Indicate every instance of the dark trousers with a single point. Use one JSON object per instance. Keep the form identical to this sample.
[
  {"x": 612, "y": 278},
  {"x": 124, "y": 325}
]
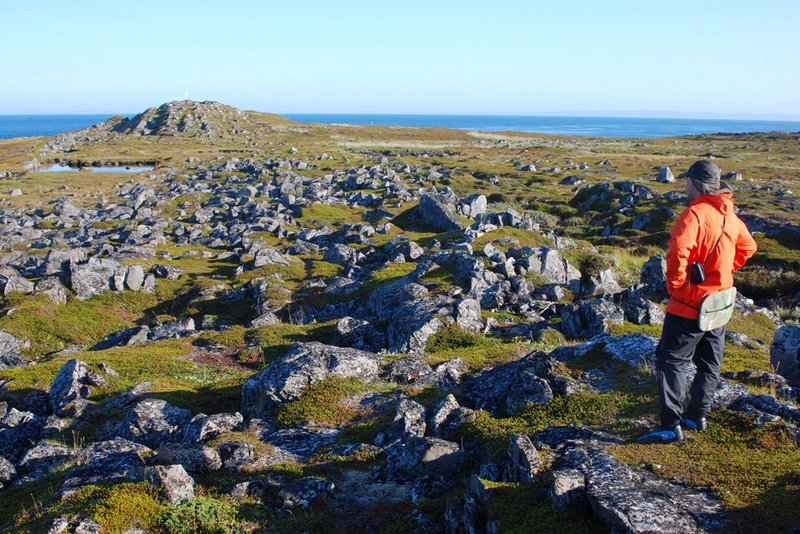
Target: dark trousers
[{"x": 683, "y": 342}]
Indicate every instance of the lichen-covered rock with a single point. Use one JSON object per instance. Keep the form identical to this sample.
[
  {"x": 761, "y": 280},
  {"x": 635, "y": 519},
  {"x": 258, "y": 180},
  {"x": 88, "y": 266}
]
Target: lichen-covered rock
[
  {"x": 203, "y": 427},
  {"x": 174, "y": 483},
  {"x": 409, "y": 422},
  {"x": 45, "y": 457},
  {"x": 10, "y": 351},
  {"x": 19, "y": 431},
  {"x": 153, "y": 422},
  {"x": 115, "y": 460},
  {"x": 633, "y": 500},
  {"x": 96, "y": 276},
  {"x": 588, "y": 319},
  {"x": 416, "y": 457},
  {"x": 303, "y": 365},
  {"x": 504, "y": 389},
  {"x": 784, "y": 352},
  {"x": 522, "y": 461},
  {"x": 302, "y": 492},
  {"x": 359, "y": 334},
  {"x": 70, "y": 388}
]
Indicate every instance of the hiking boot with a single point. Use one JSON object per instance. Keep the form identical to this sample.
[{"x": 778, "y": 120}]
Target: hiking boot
[
  {"x": 698, "y": 424},
  {"x": 671, "y": 435}
]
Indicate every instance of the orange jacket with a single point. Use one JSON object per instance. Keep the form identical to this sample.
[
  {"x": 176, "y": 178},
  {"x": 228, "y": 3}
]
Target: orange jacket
[{"x": 693, "y": 239}]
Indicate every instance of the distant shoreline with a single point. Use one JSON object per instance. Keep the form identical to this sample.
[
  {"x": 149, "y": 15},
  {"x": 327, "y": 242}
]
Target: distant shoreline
[{"x": 12, "y": 126}]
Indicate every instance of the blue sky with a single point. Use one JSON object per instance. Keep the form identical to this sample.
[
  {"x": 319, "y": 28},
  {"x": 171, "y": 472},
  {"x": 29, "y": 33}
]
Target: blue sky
[{"x": 736, "y": 58}]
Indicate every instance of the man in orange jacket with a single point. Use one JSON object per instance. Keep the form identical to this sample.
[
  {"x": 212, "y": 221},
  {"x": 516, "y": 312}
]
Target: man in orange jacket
[{"x": 708, "y": 232}]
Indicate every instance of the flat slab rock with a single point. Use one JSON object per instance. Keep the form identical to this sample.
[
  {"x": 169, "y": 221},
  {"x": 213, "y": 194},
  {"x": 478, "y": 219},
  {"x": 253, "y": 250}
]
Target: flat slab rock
[{"x": 634, "y": 500}]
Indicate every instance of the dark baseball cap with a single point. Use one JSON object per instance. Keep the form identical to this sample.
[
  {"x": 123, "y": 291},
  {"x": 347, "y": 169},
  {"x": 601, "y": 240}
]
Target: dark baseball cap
[{"x": 706, "y": 175}]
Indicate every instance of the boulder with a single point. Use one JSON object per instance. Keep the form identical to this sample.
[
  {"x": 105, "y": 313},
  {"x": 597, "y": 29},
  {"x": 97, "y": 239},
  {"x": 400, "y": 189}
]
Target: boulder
[
  {"x": 52, "y": 288},
  {"x": 135, "y": 278},
  {"x": 153, "y": 422},
  {"x": 103, "y": 462},
  {"x": 170, "y": 272},
  {"x": 303, "y": 365},
  {"x": 448, "y": 417},
  {"x": 269, "y": 256},
  {"x": 7, "y": 472},
  {"x": 70, "y": 388},
  {"x": 468, "y": 315},
  {"x": 417, "y": 457},
  {"x": 408, "y": 370},
  {"x": 203, "y": 427},
  {"x": 589, "y": 319},
  {"x": 173, "y": 329},
  {"x": 341, "y": 255},
  {"x": 436, "y": 211},
  {"x": 409, "y": 422},
  {"x": 784, "y": 353},
  {"x": 522, "y": 461},
  {"x": 635, "y": 350},
  {"x": 665, "y": 176},
  {"x": 359, "y": 334},
  {"x": 504, "y": 389},
  {"x": 654, "y": 275},
  {"x": 10, "y": 351},
  {"x": 46, "y": 457},
  {"x": 96, "y": 276},
  {"x": 135, "y": 335},
  {"x": 19, "y": 431},
  {"x": 472, "y": 206},
  {"x": 173, "y": 482},
  {"x": 301, "y": 493}
]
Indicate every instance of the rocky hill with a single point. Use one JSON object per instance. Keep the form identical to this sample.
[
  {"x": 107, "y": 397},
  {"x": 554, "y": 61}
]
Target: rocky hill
[{"x": 299, "y": 328}]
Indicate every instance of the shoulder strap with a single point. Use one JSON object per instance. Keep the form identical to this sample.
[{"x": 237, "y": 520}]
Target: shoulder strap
[{"x": 722, "y": 233}]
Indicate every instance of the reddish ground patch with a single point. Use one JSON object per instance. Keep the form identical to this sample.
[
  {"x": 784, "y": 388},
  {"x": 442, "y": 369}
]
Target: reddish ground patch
[{"x": 224, "y": 357}]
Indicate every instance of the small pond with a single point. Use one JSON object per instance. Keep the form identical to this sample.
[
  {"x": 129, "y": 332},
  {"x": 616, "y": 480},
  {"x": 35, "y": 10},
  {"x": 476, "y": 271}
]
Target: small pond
[{"x": 58, "y": 167}]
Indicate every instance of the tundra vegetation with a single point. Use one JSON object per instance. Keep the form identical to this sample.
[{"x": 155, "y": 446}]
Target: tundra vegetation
[{"x": 293, "y": 327}]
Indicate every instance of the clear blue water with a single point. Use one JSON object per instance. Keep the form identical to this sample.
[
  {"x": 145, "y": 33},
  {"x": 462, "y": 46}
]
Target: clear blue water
[
  {"x": 589, "y": 126},
  {"x": 112, "y": 170},
  {"x": 35, "y": 125}
]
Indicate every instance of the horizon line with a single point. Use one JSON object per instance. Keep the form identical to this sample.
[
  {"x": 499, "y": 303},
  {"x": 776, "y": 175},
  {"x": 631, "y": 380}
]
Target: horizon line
[{"x": 753, "y": 117}]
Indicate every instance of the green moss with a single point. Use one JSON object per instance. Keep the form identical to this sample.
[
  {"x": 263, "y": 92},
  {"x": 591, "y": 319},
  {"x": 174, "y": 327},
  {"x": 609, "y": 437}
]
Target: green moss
[
  {"x": 175, "y": 378},
  {"x": 522, "y": 509},
  {"x": 321, "y": 404},
  {"x": 203, "y": 515},
  {"x": 128, "y": 506},
  {"x": 51, "y": 327},
  {"x": 476, "y": 350}
]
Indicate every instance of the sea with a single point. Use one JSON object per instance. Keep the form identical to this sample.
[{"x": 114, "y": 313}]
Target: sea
[{"x": 37, "y": 125}]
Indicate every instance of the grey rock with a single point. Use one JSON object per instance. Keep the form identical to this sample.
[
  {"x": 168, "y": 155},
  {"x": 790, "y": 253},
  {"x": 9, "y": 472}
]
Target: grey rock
[
  {"x": 359, "y": 334},
  {"x": 135, "y": 278},
  {"x": 409, "y": 422},
  {"x": 635, "y": 350},
  {"x": 174, "y": 329},
  {"x": 436, "y": 211},
  {"x": 303, "y": 492},
  {"x": 589, "y": 319},
  {"x": 14, "y": 283},
  {"x": 665, "y": 176},
  {"x": 568, "y": 490},
  {"x": 632, "y": 500},
  {"x": 135, "y": 335},
  {"x": 115, "y": 460},
  {"x": 203, "y": 427},
  {"x": 654, "y": 274},
  {"x": 46, "y": 457},
  {"x": 784, "y": 353},
  {"x": 468, "y": 315},
  {"x": 7, "y": 472},
  {"x": 408, "y": 370},
  {"x": 70, "y": 388},
  {"x": 53, "y": 289},
  {"x": 236, "y": 456},
  {"x": 19, "y": 431},
  {"x": 96, "y": 276},
  {"x": 170, "y": 272},
  {"x": 152, "y": 422},
  {"x": 643, "y": 311},
  {"x": 448, "y": 418},
  {"x": 504, "y": 389},
  {"x": 303, "y": 365},
  {"x": 269, "y": 256},
  {"x": 199, "y": 460},
  {"x": 472, "y": 206},
  {"x": 522, "y": 461},
  {"x": 416, "y": 457},
  {"x": 341, "y": 254},
  {"x": 174, "y": 483},
  {"x": 10, "y": 351}
]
